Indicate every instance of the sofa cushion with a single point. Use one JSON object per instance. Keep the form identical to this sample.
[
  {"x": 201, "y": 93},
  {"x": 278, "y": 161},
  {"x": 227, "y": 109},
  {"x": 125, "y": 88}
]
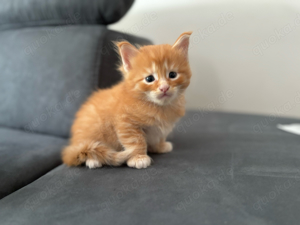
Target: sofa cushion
[
  {"x": 25, "y": 157},
  {"x": 47, "y": 73},
  {"x": 17, "y": 13},
  {"x": 225, "y": 169}
]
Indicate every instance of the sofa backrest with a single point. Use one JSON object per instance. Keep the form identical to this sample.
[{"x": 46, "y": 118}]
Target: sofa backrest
[
  {"x": 18, "y": 13},
  {"x": 51, "y": 60}
]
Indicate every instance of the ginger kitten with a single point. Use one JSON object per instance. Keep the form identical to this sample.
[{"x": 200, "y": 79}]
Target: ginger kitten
[{"x": 120, "y": 124}]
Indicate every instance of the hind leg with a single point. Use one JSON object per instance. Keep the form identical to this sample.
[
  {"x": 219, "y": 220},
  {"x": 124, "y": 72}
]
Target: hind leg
[
  {"x": 134, "y": 142},
  {"x": 92, "y": 153},
  {"x": 93, "y": 163},
  {"x": 77, "y": 154},
  {"x": 90, "y": 156}
]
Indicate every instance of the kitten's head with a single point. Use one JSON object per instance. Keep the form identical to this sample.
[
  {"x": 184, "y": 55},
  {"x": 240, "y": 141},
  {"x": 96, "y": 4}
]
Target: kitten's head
[{"x": 158, "y": 73}]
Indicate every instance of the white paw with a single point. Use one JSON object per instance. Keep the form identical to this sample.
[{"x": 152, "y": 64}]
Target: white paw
[
  {"x": 167, "y": 147},
  {"x": 92, "y": 163},
  {"x": 139, "y": 161}
]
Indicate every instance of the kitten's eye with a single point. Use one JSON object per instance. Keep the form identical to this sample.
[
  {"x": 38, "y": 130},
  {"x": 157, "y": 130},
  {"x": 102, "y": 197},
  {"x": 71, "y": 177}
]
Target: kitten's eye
[
  {"x": 172, "y": 75},
  {"x": 150, "y": 78}
]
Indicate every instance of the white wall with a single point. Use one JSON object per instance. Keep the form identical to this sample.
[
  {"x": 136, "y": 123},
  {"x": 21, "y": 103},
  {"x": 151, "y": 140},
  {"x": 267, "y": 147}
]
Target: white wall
[{"x": 245, "y": 56}]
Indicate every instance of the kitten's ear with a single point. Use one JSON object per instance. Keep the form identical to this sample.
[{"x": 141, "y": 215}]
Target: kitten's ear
[
  {"x": 182, "y": 43},
  {"x": 127, "y": 52}
]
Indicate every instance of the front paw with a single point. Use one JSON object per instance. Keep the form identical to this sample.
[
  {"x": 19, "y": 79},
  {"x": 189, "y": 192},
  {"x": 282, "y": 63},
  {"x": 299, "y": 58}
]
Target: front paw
[
  {"x": 139, "y": 161},
  {"x": 164, "y": 147}
]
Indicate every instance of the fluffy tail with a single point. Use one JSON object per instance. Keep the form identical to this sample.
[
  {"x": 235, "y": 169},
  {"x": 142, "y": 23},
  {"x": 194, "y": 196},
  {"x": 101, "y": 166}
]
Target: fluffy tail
[{"x": 75, "y": 155}]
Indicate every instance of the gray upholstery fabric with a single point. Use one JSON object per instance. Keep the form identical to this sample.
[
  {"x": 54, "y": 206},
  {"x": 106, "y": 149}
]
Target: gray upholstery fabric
[
  {"x": 108, "y": 74},
  {"x": 47, "y": 72},
  {"x": 16, "y": 13},
  {"x": 225, "y": 169},
  {"x": 24, "y": 157}
]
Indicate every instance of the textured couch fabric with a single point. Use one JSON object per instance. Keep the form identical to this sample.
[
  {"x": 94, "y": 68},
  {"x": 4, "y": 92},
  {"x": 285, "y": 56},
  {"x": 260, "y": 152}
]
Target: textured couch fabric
[
  {"x": 24, "y": 157},
  {"x": 17, "y": 13},
  {"x": 225, "y": 169},
  {"x": 53, "y": 55},
  {"x": 47, "y": 72}
]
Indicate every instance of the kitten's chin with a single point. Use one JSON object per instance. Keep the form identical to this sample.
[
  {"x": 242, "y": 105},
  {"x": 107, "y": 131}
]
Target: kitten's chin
[{"x": 162, "y": 99}]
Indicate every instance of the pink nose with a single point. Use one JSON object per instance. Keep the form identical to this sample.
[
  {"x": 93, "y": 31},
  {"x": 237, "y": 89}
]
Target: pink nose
[{"x": 164, "y": 88}]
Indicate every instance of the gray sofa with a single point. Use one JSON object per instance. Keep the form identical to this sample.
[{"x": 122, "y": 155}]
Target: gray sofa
[{"x": 225, "y": 168}]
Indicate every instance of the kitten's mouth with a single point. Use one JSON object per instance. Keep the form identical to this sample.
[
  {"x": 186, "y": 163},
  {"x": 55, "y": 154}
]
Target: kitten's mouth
[{"x": 164, "y": 95}]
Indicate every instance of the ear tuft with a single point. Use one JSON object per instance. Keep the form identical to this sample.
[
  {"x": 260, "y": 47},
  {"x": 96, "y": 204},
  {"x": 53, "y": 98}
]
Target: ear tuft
[
  {"x": 182, "y": 43},
  {"x": 127, "y": 52}
]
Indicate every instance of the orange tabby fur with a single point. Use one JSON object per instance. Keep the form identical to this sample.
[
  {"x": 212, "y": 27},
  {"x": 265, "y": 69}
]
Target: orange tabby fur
[{"x": 119, "y": 124}]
